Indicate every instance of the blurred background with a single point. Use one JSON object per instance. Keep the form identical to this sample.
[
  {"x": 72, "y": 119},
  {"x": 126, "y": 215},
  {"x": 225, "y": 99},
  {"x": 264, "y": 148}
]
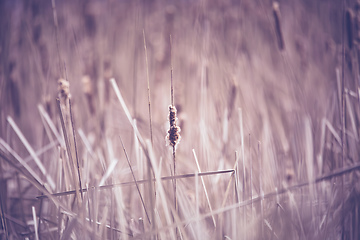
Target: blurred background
[{"x": 283, "y": 114}]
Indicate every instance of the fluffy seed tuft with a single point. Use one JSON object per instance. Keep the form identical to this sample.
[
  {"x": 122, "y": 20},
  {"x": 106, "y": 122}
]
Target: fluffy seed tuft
[
  {"x": 173, "y": 135},
  {"x": 64, "y": 89}
]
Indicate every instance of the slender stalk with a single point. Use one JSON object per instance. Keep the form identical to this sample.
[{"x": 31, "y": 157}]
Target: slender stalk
[
  {"x": 76, "y": 151},
  {"x": 251, "y": 175},
  {"x": 137, "y": 185},
  {"x": 57, "y": 33},
  {"x": 35, "y": 223},
  {"x": 173, "y": 132},
  {"x": 174, "y": 161},
  {"x": 197, "y": 204},
  {"x": 171, "y": 74},
  {"x": 172, "y": 104},
  {"x": 343, "y": 114},
  {"x": 203, "y": 184},
  {"x": 67, "y": 144},
  {"x": 261, "y": 191},
  {"x": 148, "y": 86},
  {"x": 32, "y": 152},
  {"x": 144, "y": 181}
]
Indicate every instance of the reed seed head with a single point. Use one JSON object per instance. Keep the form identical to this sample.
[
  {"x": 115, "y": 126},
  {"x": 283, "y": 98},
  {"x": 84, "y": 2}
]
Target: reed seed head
[
  {"x": 173, "y": 135},
  {"x": 64, "y": 88}
]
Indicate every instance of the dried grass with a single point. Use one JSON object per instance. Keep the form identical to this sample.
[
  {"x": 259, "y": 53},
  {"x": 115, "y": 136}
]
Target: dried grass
[{"x": 64, "y": 175}]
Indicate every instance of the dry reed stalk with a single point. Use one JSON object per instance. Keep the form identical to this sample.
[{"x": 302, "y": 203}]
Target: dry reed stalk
[
  {"x": 103, "y": 223},
  {"x": 57, "y": 34},
  {"x": 203, "y": 184},
  {"x": 197, "y": 206},
  {"x": 242, "y": 152},
  {"x": 233, "y": 178},
  {"x": 43, "y": 188},
  {"x": 32, "y": 152},
  {"x": 173, "y": 138},
  {"x": 50, "y": 123},
  {"x": 227, "y": 192},
  {"x": 148, "y": 86},
  {"x": 127, "y": 112},
  {"x": 251, "y": 177},
  {"x": 36, "y": 230},
  {"x": 68, "y": 149},
  {"x": 86, "y": 142},
  {"x": 137, "y": 185},
  {"x": 343, "y": 115},
  {"x": 23, "y": 163},
  {"x": 278, "y": 31},
  {"x": 109, "y": 171},
  {"x": 149, "y": 167},
  {"x": 244, "y": 169},
  {"x": 173, "y": 135},
  {"x": 236, "y": 168},
  {"x": 144, "y": 181},
  {"x": 64, "y": 103},
  {"x": 293, "y": 202},
  {"x": 75, "y": 149},
  {"x": 261, "y": 193}
]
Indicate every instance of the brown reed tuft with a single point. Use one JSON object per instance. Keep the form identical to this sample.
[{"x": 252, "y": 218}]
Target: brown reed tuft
[
  {"x": 173, "y": 135},
  {"x": 64, "y": 89},
  {"x": 279, "y": 35}
]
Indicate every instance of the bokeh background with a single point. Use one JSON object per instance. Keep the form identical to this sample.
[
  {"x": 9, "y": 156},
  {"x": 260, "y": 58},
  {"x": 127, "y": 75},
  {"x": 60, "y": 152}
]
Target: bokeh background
[{"x": 283, "y": 116}]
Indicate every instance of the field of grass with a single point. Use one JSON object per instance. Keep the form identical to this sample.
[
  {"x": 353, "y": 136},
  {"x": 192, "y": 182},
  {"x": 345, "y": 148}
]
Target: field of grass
[{"x": 93, "y": 94}]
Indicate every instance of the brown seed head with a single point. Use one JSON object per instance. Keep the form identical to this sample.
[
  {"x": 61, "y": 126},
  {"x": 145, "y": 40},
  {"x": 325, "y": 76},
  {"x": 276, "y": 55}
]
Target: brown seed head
[
  {"x": 63, "y": 88},
  {"x": 173, "y": 135}
]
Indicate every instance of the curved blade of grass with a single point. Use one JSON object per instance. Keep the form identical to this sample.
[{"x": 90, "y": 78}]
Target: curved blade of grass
[
  {"x": 133, "y": 175},
  {"x": 132, "y": 183},
  {"x": 31, "y": 151},
  {"x": 203, "y": 184}
]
